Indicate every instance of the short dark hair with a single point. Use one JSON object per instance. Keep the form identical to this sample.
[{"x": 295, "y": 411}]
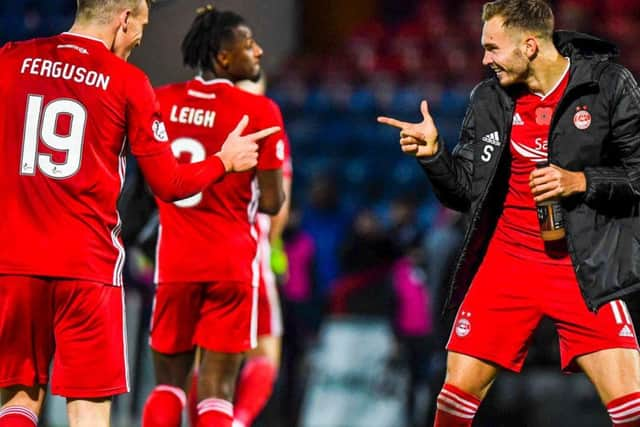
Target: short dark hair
[
  {"x": 101, "y": 11},
  {"x": 209, "y": 30},
  {"x": 533, "y": 15}
]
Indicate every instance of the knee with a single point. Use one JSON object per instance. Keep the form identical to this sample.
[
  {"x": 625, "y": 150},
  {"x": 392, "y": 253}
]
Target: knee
[{"x": 472, "y": 378}]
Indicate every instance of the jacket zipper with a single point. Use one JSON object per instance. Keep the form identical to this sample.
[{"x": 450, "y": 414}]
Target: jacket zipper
[{"x": 576, "y": 267}]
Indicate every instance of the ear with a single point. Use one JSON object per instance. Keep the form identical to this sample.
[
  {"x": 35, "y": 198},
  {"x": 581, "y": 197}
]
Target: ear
[
  {"x": 223, "y": 58},
  {"x": 531, "y": 47},
  {"x": 123, "y": 19}
]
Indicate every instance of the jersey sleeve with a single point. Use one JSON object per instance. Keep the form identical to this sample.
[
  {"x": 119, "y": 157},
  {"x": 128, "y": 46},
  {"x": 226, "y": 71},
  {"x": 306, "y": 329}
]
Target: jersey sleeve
[
  {"x": 271, "y": 153},
  {"x": 170, "y": 180},
  {"x": 146, "y": 132}
]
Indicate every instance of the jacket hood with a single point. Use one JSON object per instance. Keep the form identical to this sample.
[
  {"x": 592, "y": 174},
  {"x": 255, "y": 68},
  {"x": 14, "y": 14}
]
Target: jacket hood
[{"x": 575, "y": 44}]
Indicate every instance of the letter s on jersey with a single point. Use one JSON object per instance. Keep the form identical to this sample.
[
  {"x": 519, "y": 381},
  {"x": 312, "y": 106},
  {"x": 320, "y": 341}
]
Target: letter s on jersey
[{"x": 487, "y": 152}]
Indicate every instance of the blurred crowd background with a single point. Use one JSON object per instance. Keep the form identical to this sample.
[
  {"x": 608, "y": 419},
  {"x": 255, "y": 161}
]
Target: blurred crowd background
[{"x": 369, "y": 247}]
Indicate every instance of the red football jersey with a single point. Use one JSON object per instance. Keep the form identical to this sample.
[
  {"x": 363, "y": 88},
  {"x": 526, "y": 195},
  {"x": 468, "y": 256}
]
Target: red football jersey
[
  {"x": 67, "y": 105},
  {"x": 211, "y": 236},
  {"x": 518, "y": 227}
]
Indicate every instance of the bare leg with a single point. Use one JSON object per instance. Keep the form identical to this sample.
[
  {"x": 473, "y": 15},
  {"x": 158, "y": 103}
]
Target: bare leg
[
  {"x": 469, "y": 374},
  {"x": 614, "y": 372},
  {"x": 173, "y": 369},
  {"x": 89, "y": 412},
  {"x": 31, "y": 398},
  {"x": 217, "y": 374}
]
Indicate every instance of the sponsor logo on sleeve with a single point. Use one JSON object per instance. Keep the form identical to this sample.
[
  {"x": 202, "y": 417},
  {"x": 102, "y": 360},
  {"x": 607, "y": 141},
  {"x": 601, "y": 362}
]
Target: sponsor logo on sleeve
[{"x": 159, "y": 131}]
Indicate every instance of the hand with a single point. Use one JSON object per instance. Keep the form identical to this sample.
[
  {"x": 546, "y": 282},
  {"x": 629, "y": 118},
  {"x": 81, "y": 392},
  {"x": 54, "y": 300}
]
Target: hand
[
  {"x": 416, "y": 139},
  {"x": 240, "y": 153},
  {"x": 553, "y": 181}
]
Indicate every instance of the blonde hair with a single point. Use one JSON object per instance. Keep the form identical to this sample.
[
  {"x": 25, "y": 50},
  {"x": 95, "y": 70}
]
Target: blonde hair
[
  {"x": 532, "y": 15},
  {"x": 102, "y": 11}
]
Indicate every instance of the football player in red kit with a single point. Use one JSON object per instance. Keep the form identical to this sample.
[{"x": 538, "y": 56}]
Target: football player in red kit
[
  {"x": 207, "y": 265},
  {"x": 260, "y": 370},
  {"x": 70, "y": 110},
  {"x": 556, "y": 96}
]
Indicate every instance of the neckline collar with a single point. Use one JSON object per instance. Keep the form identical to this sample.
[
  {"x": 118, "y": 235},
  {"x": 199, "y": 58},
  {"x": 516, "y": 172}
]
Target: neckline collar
[
  {"x": 213, "y": 81},
  {"x": 558, "y": 83},
  {"x": 84, "y": 36}
]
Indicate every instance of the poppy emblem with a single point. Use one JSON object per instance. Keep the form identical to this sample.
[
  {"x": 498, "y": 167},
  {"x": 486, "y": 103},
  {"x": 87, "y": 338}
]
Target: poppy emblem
[{"x": 543, "y": 116}]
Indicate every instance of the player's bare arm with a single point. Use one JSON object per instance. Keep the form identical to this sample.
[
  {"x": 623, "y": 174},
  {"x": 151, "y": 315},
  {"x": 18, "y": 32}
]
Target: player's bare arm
[
  {"x": 271, "y": 191},
  {"x": 240, "y": 152},
  {"x": 416, "y": 139},
  {"x": 553, "y": 181}
]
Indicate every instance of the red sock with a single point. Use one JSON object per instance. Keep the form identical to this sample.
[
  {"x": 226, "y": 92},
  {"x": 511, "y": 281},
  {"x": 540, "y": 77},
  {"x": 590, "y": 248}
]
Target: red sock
[
  {"x": 164, "y": 407},
  {"x": 18, "y": 416},
  {"x": 254, "y": 389},
  {"x": 625, "y": 411},
  {"x": 214, "y": 412},
  {"x": 192, "y": 399},
  {"x": 456, "y": 408}
]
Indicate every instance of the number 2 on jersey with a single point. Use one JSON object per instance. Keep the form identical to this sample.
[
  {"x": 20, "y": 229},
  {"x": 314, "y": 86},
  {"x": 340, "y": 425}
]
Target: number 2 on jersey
[
  {"x": 198, "y": 154},
  {"x": 41, "y": 125}
]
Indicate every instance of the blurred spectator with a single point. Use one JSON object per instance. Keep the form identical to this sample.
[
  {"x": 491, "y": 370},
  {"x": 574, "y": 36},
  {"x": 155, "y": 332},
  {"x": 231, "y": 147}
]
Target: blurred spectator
[{"x": 326, "y": 223}]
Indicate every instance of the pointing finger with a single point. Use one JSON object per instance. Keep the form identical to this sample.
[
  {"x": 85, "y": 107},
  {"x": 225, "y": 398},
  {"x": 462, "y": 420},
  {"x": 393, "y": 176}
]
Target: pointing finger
[
  {"x": 393, "y": 122},
  {"x": 263, "y": 133}
]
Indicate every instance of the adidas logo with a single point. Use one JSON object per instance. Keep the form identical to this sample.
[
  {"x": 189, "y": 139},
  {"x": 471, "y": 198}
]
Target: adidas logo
[
  {"x": 517, "y": 120},
  {"x": 626, "y": 332},
  {"x": 492, "y": 138}
]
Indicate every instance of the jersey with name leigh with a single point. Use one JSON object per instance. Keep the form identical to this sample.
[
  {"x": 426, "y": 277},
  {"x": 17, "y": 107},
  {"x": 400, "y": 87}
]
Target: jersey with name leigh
[{"x": 212, "y": 235}]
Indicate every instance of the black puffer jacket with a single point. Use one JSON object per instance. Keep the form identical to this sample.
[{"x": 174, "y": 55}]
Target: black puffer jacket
[{"x": 603, "y": 224}]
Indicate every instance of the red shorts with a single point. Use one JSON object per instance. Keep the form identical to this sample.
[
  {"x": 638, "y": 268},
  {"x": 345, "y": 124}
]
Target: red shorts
[
  {"x": 78, "y": 324},
  {"x": 217, "y": 316},
  {"x": 269, "y": 314},
  {"x": 508, "y": 298}
]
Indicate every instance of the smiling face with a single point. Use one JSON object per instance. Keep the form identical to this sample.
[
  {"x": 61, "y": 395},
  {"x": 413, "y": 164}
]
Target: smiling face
[
  {"x": 504, "y": 52},
  {"x": 240, "y": 57}
]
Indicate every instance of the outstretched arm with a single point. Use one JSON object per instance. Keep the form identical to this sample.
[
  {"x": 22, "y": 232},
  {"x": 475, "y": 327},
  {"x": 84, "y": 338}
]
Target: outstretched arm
[
  {"x": 172, "y": 181},
  {"x": 450, "y": 174}
]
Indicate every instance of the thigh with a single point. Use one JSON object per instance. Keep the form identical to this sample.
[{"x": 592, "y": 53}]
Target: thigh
[
  {"x": 614, "y": 372},
  {"x": 176, "y": 311},
  {"x": 582, "y": 331},
  {"x": 228, "y": 318},
  {"x": 90, "y": 360},
  {"x": 499, "y": 313},
  {"x": 26, "y": 330}
]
